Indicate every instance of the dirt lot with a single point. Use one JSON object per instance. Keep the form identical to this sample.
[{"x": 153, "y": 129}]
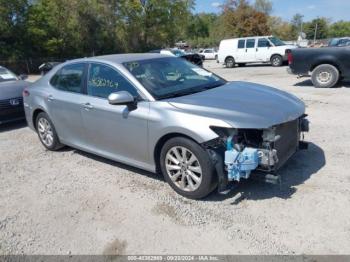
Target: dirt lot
[{"x": 70, "y": 202}]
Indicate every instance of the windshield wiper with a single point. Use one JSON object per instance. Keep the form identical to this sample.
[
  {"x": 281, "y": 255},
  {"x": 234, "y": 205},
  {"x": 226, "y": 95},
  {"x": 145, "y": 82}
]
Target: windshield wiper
[
  {"x": 190, "y": 92},
  {"x": 176, "y": 94},
  {"x": 210, "y": 87}
]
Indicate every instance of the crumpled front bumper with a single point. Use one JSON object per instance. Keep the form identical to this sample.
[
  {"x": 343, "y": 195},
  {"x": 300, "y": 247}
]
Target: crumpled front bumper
[{"x": 288, "y": 140}]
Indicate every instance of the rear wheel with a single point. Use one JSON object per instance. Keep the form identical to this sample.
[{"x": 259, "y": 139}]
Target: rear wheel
[
  {"x": 325, "y": 76},
  {"x": 276, "y": 60},
  {"x": 47, "y": 132},
  {"x": 187, "y": 168},
  {"x": 230, "y": 62}
]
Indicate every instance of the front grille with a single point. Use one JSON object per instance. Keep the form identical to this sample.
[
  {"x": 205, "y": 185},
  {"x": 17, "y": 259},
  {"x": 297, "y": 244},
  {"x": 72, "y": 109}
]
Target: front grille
[
  {"x": 6, "y": 104},
  {"x": 288, "y": 143}
]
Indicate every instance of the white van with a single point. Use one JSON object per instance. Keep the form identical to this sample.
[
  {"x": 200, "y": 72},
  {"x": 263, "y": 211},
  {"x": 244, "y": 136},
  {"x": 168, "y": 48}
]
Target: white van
[{"x": 259, "y": 49}]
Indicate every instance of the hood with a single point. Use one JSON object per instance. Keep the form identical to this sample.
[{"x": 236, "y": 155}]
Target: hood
[
  {"x": 12, "y": 89},
  {"x": 243, "y": 105},
  {"x": 290, "y": 46}
]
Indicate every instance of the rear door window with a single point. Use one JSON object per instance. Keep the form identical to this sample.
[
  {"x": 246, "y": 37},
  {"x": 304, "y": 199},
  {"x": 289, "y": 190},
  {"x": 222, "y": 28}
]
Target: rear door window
[
  {"x": 250, "y": 43},
  {"x": 241, "y": 44},
  {"x": 104, "y": 80},
  {"x": 70, "y": 78}
]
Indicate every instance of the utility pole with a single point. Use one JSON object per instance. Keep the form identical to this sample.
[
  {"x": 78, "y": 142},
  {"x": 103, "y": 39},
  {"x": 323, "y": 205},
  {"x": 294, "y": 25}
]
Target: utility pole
[{"x": 315, "y": 33}]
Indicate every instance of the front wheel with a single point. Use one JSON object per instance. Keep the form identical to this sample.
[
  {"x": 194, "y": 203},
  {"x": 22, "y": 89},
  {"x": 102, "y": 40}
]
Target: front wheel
[
  {"x": 187, "y": 168},
  {"x": 47, "y": 132},
  {"x": 276, "y": 60},
  {"x": 230, "y": 62},
  {"x": 325, "y": 76}
]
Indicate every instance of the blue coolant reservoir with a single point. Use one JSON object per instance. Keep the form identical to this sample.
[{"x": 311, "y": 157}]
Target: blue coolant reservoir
[{"x": 240, "y": 164}]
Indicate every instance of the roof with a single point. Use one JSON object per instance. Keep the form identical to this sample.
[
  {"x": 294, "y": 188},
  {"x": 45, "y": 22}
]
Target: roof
[
  {"x": 248, "y": 37},
  {"x": 122, "y": 58}
]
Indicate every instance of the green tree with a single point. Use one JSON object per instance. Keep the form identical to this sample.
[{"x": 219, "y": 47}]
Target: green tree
[
  {"x": 297, "y": 25},
  {"x": 12, "y": 28},
  {"x": 321, "y": 24},
  {"x": 281, "y": 29},
  {"x": 263, "y": 6},
  {"x": 240, "y": 19},
  {"x": 339, "y": 29}
]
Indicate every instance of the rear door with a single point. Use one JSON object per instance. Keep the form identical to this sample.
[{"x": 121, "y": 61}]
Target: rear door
[
  {"x": 241, "y": 51},
  {"x": 64, "y": 103}
]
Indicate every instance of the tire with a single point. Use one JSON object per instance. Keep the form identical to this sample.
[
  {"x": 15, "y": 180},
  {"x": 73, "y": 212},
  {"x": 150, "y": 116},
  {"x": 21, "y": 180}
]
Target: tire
[
  {"x": 216, "y": 58},
  {"x": 47, "y": 132},
  {"x": 276, "y": 60},
  {"x": 230, "y": 62},
  {"x": 194, "y": 178},
  {"x": 325, "y": 76}
]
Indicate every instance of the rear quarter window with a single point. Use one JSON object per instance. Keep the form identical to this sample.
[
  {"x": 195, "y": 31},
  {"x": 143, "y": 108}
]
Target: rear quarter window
[{"x": 70, "y": 78}]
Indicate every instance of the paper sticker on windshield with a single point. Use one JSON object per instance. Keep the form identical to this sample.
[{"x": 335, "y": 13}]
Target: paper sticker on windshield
[
  {"x": 201, "y": 72},
  {"x": 7, "y": 76}
]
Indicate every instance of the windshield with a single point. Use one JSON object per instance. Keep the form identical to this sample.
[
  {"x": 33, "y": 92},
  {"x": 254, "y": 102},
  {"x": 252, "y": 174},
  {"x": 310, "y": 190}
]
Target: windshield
[
  {"x": 172, "y": 77},
  {"x": 6, "y": 75},
  {"x": 333, "y": 42},
  {"x": 276, "y": 41}
]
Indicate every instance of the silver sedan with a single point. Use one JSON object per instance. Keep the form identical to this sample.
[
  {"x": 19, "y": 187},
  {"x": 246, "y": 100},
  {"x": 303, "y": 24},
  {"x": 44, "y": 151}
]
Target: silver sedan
[{"x": 164, "y": 114}]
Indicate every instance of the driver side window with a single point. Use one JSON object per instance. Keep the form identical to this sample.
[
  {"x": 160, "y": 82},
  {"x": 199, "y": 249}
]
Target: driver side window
[{"x": 104, "y": 80}]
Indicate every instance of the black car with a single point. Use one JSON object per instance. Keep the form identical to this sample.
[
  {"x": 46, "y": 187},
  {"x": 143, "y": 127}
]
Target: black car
[
  {"x": 46, "y": 67},
  {"x": 11, "y": 101},
  {"x": 193, "y": 58},
  {"x": 339, "y": 42}
]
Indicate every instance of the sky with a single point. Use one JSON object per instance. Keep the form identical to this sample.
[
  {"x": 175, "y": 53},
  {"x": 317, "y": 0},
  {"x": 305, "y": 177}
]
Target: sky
[{"x": 333, "y": 9}]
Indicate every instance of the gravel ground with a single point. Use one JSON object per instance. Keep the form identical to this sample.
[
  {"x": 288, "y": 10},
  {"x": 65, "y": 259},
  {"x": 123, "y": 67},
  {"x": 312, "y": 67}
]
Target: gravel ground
[{"x": 70, "y": 202}]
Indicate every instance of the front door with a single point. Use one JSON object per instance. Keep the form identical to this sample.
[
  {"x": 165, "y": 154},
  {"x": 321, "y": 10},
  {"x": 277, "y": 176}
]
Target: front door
[
  {"x": 263, "y": 50},
  {"x": 118, "y": 132}
]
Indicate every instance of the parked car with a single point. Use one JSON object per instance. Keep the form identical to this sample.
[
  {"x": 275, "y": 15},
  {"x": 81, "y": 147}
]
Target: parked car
[
  {"x": 325, "y": 65},
  {"x": 164, "y": 114},
  {"x": 191, "y": 57},
  {"x": 262, "y": 49},
  {"x": 339, "y": 42},
  {"x": 46, "y": 67},
  {"x": 11, "y": 102},
  {"x": 209, "y": 54}
]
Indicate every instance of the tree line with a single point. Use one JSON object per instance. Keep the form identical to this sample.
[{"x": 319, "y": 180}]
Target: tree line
[{"x": 78, "y": 28}]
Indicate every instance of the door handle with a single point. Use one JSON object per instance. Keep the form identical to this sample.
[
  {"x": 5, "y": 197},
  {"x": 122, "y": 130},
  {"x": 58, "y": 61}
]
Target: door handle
[
  {"x": 88, "y": 106},
  {"x": 50, "y": 98}
]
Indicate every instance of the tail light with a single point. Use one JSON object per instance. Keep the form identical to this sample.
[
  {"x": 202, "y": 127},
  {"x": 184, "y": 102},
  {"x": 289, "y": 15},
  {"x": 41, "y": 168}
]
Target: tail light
[
  {"x": 25, "y": 93},
  {"x": 290, "y": 57}
]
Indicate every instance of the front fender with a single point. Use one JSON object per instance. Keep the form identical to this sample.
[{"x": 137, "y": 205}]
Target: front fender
[{"x": 167, "y": 120}]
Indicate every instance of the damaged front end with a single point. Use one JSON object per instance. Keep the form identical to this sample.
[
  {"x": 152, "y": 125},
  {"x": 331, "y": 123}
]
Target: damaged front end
[{"x": 241, "y": 153}]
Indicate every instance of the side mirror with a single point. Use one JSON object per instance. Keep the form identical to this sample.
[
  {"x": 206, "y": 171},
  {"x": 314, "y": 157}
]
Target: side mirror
[
  {"x": 23, "y": 77},
  {"x": 121, "y": 98}
]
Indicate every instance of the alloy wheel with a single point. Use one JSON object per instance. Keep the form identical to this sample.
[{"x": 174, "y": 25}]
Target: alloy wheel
[
  {"x": 45, "y": 132},
  {"x": 183, "y": 168}
]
